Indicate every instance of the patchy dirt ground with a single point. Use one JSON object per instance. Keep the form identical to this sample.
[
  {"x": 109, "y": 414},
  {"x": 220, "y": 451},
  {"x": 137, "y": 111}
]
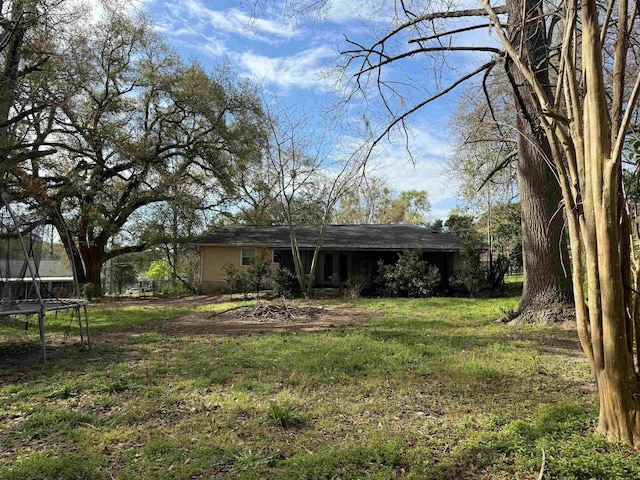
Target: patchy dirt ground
[
  {"x": 242, "y": 321},
  {"x": 308, "y": 317}
]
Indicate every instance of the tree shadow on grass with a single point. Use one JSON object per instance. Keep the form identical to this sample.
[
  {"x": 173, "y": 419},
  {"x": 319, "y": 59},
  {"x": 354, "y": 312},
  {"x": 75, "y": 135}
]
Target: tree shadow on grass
[{"x": 564, "y": 431}]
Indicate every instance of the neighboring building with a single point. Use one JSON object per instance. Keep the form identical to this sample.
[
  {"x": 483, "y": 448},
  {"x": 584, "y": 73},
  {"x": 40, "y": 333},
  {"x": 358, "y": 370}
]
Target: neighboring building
[
  {"x": 347, "y": 250},
  {"x": 56, "y": 279}
]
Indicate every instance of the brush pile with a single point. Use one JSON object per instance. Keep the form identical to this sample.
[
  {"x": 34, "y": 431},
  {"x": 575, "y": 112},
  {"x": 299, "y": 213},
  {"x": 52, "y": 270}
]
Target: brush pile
[{"x": 273, "y": 312}]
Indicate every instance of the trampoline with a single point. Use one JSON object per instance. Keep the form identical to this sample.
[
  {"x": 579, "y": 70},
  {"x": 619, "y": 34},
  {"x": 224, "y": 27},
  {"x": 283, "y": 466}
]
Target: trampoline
[{"x": 21, "y": 288}]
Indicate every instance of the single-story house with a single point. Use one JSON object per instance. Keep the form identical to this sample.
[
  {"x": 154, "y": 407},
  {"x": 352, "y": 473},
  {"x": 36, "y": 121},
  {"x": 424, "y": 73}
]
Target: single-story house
[
  {"x": 347, "y": 250},
  {"x": 56, "y": 279}
]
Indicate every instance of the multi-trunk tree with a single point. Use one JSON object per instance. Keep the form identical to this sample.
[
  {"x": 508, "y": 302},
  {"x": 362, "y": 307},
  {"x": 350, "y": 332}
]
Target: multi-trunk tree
[{"x": 306, "y": 169}]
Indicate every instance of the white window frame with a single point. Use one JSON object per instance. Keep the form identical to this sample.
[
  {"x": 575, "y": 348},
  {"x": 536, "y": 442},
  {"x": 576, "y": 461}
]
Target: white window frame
[{"x": 249, "y": 258}]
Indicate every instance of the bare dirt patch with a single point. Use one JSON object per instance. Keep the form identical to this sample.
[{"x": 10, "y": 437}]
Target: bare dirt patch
[{"x": 269, "y": 318}]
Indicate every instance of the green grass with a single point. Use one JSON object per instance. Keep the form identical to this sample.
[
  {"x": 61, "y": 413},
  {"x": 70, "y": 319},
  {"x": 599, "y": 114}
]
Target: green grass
[{"x": 431, "y": 388}]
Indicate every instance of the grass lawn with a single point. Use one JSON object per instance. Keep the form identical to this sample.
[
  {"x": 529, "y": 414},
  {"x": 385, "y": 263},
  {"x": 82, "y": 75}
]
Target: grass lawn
[{"x": 430, "y": 389}]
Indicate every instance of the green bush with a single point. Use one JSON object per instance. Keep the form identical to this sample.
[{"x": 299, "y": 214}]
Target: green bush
[
  {"x": 177, "y": 290},
  {"x": 354, "y": 285},
  {"x": 475, "y": 277},
  {"x": 235, "y": 280},
  {"x": 89, "y": 291},
  {"x": 282, "y": 279},
  {"x": 256, "y": 277},
  {"x": 258, "y": 274},
  {"x": 410, "y": 276}
]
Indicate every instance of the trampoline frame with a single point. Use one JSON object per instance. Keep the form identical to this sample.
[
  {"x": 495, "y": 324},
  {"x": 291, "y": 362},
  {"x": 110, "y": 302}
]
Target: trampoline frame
[{"x": 41, "y": 305}]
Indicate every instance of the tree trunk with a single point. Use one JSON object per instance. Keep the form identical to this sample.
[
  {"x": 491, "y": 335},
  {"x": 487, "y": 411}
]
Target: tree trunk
[
  {"x": 174, "y": 262},
  {"x": 547, "y": 291},
  {"x": 547, "y": 288},
  {"x": 587, "y": 156},
  {"x": 92, "y": 257},
  {"x": 607, "y": 246}
]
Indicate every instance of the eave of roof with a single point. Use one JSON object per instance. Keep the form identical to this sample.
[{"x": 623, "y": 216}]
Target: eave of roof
[{"x": 337, "y": 237}]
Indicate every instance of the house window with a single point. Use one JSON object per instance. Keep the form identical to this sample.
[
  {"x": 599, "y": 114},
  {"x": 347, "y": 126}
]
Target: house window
[
  {"x": 248, "y": 255},
  {"x": 277, "y": 256}
]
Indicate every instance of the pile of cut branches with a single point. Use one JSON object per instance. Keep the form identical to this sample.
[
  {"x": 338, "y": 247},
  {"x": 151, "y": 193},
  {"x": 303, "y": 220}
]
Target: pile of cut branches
[{"x": 273, "y": 312}]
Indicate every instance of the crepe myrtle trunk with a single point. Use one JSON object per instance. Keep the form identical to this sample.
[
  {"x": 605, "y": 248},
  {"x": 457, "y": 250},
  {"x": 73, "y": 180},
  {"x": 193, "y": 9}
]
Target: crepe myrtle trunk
[{"x": 547, "y": 287}]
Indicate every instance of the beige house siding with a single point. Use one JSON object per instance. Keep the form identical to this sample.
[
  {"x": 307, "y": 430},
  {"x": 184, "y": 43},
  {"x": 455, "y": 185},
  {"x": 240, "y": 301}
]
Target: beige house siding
[{"x": 213, "y": 258}]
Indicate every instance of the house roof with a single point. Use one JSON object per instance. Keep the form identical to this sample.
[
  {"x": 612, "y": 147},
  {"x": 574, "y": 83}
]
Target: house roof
[
  {"x": 53, "y": 270},
  {"x": 338, "y": 237}
]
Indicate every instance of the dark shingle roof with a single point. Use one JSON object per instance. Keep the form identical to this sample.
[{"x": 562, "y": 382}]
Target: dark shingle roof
[{"x": 338, "y": 237}]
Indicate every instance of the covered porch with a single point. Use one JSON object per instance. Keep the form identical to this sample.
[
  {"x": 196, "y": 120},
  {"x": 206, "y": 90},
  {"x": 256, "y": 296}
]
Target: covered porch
[{"x": 336, "y": 267}]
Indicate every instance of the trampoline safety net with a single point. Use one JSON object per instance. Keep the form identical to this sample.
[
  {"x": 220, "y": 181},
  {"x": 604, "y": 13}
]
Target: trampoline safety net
[{"x": 22, "y": 291}]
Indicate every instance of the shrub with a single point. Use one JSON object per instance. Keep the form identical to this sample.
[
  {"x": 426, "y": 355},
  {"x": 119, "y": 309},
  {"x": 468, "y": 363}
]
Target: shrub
[
  {"x": 253, "y": 280},
  {"x": 354, "y": 285},
  {"x": 410, "y": 276},
  {"x": 457, "y": 284},
  {"x": 235, "y": 280},
  {"x": 475, "y": 277},
  {"x": 282, "y": 279},
  {"x": 495, "y": 275},
  {"x": 89, "y": 291},
  {"x": 257, "y": 274}
]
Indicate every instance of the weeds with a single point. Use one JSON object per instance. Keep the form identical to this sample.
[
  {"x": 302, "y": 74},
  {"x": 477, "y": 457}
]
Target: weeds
[{"x": 284, "y": 415}]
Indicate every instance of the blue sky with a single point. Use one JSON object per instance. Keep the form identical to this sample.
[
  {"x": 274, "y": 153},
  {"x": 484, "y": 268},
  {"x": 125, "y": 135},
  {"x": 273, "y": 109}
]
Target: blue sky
[{"x": 295, "y": 62}]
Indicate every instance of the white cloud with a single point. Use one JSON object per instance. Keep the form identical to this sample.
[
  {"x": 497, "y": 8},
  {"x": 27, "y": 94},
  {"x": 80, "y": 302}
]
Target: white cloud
[
  {"x": 302, "y": 70},
  {"x": 234, "y": 21},
  {"x": 212, "y": 49},
  {"x": 345, "y": 11},
  {"x": 429, "y": 172}
]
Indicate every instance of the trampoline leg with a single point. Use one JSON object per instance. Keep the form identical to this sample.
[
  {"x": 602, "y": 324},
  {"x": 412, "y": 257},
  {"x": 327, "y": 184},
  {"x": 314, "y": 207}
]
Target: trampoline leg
[
  {"x": 80, "y": 325},
  {"x": 86, "y": 322},
  {"x": 42, "y": 339}
]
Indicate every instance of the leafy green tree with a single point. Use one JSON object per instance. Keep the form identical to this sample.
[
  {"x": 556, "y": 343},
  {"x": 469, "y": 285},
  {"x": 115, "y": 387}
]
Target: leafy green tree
[
  {"x": 27, "y": 28},
  {"x": 135, "y": 120},
  {"x": 436, "y": 226},
  {"x": 159, "y": 270},
  {"x": 459, "y": 224}
]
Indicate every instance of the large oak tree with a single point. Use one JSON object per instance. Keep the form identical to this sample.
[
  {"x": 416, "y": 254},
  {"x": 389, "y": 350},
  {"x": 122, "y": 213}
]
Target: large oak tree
[{"x": 133, "y": 121}]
